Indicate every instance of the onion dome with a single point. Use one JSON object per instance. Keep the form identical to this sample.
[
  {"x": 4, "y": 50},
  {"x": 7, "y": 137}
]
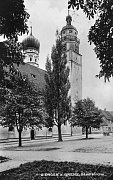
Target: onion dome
[
  {"x": 31, "y": 42},
  {"x": 68, "y": 25}
]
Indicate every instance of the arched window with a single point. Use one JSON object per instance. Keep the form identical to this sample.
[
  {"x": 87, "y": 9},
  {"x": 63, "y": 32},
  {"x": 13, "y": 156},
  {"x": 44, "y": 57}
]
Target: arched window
[{"x": 30, "y": 58}]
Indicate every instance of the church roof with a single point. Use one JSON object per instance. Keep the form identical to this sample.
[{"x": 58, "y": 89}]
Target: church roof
[
  {"x": 107, "y": 115},
  {"x": 68, "y": 25},
  {"x": 31, "y": 42},
  {"x": 111, "y": 112},
  {"x": 35, "y": 75}
]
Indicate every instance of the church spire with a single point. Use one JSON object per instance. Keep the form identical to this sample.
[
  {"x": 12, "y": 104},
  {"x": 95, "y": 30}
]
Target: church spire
[
  {"x": 68, "y": 12},
  {"x": 68, "y": 18},
  {"x": 31, "y": 30}
]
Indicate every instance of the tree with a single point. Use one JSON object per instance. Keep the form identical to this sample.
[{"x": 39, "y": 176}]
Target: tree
[
  {"x": 57, "y": 87},
  {"x": 13, "y": 18},
  {"x": 10, "y": 53},
  {"x": 101, "y": 33},
  {"x": 22, "y": 107},
  {"x": 90, "y": 8},
  {"x": 86, "y": 115},
  {"x": 13, "y": 22}
]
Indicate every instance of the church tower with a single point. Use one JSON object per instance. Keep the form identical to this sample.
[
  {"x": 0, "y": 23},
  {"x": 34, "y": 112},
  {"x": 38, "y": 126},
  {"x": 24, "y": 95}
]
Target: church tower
[
  {"x": 74, "y": 59},
  {"x": 31, "y": 48}
]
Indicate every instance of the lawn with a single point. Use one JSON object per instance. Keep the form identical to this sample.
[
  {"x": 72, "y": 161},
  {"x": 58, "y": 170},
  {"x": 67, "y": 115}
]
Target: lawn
[{"x": 50, "y": 170}]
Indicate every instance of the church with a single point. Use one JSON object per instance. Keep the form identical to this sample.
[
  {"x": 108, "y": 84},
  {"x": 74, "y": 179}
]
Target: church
[
  {"x": 31, "y": 51},
  {"x": 74, "y": 59}
]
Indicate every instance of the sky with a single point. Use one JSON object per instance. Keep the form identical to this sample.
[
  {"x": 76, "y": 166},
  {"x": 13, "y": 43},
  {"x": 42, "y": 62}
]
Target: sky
[{"x": 48, "y": 15}]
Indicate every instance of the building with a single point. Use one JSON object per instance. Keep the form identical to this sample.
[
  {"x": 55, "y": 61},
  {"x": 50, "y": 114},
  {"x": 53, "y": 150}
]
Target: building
[
  {"x": 74, "y": 59},
  {"x": 71, "y": 42},
  {"x": 31, "y": 50},
  {"x": 106, "y": 127},
  {"x": 107, "y": 124}
]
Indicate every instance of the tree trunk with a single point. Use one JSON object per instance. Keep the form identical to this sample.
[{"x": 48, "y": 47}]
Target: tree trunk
[
  {"x": 59, "y": 132},
  {"x": 71, "y": 131},
  {"x": 32, "y": 134},
  {"x": 20, "y": 139},
  {"x": 86, "y": 132}
]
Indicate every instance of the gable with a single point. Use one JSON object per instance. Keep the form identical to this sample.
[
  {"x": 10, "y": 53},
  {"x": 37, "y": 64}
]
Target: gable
[{"x": 107, "y": 118}]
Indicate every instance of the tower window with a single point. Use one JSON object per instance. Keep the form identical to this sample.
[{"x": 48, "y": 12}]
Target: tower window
[
  {"x": 30, "y": 58},
  {"x": 65, "y": 38},
  {"x": 65, "y": 47},
  {"x": 70, "y": 31}
]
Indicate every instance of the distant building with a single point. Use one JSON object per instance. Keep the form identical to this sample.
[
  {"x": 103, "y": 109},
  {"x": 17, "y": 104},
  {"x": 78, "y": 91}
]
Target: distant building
[
  {"x": 106, "y": 127},
  {"x": 107, "y": 124}
]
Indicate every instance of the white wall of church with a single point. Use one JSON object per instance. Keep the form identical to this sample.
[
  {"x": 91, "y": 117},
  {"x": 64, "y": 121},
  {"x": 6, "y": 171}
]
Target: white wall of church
[
  {"x": 32, "y": 57},
  {"x": 66, "y": 130}
]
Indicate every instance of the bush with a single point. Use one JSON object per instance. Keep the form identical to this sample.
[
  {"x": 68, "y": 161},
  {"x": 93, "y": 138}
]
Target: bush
[{"x": 50, "y": 170}]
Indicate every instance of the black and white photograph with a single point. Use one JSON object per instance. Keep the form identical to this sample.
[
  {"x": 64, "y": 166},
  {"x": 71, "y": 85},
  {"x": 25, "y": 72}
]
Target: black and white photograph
[{"x": 56, "y": 89}]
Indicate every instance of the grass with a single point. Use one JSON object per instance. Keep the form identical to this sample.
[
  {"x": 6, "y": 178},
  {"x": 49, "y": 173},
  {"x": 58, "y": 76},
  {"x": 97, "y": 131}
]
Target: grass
[{"x": 50, "y": 170}]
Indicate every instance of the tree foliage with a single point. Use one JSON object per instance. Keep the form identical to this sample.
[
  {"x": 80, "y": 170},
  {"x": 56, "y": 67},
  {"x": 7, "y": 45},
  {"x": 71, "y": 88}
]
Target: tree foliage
[
  {"x": 22, "y": 106},
  {"x": 86, "y": 115},
  {"x": 13, "y": 22},
  {"x": 101, "y": 33},
  {"x": 10, "y": 53},
  {"x": 13, "y": 18},
  {"x": 89, "y": 7},
  {"x": 57, "y": 86}
]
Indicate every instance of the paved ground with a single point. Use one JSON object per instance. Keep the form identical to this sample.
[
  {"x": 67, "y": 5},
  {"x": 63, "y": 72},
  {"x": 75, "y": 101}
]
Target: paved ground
[{"x": 96, "y": 150}]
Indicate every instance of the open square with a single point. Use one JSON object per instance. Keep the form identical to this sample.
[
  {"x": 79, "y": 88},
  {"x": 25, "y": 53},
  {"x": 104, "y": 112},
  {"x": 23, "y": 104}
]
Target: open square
[{"x": 97, "y": 150}]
